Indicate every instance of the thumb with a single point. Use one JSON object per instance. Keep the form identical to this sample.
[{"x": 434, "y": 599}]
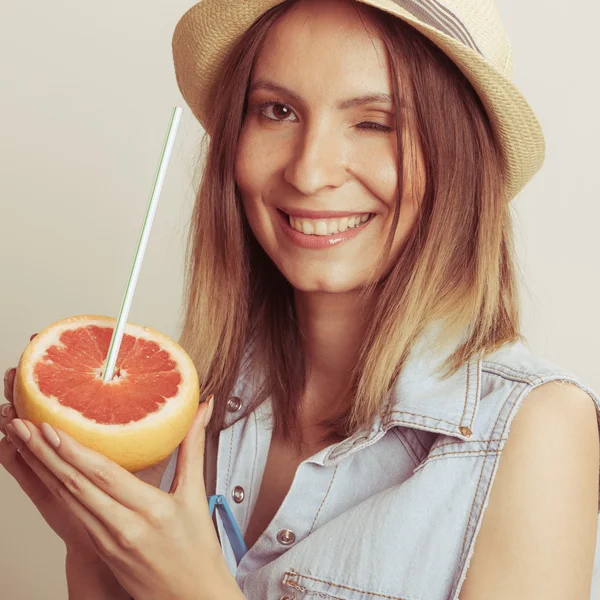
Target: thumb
[{"x": 188, "y": 481}]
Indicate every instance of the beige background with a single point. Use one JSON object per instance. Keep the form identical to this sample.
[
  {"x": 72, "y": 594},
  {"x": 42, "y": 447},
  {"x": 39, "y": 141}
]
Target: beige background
[{"x": 86, "y": 94}]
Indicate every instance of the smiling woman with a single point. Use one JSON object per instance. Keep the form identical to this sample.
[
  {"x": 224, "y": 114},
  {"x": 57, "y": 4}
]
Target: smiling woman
[
  {"x": 308, "y": 154},
  {"x": 380, "y": 427},
  {"x": 354, "y": 223}
]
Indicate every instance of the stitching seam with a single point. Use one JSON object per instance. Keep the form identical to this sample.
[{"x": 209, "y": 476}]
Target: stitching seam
[
  {"x": 229, "y": 461},
  {"x": 405, "y": 422},
  {"x": 301, "y": 588},
  {"x": 324, "y": 499},
  {"x": 462, "y": 559},
  {"x": 294, "y": 584},
  {"x": 252, "y": 476},
  {"x": 472, "y": 442},
  {"x": 464, "y": 453},
  {"x": 476, "y": 393},
  {"x": 507, "y": 377},
  {"x": 466, "y": 391},
  {"x": 515, "y": 372}
]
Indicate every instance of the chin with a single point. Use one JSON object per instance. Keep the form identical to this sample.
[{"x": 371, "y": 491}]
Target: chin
[{"x": 331, "y": 283}]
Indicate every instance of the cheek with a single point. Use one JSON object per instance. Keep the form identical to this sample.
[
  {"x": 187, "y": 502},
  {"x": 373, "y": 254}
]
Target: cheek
[
  {"x": 253, "y": 216},
  {"x": 253, "y": 178},
  {"x": 247, "y": 177},
  {"x": 375, "y": 165},
  {"x": 257, "y": 159},
  {"x": 385, "y": 173},
  {"x": 383, "y": 181}
]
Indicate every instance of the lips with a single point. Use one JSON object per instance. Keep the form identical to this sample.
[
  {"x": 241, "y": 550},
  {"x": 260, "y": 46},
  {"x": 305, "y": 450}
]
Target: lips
[{"x": 323, "y": 232}]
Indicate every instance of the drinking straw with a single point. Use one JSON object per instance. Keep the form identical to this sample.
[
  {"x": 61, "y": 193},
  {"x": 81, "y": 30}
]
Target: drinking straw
[{"x": 117, "y": 336}]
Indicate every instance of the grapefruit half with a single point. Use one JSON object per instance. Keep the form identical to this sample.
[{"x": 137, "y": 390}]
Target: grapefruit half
[{"x": 136, "y": 419}]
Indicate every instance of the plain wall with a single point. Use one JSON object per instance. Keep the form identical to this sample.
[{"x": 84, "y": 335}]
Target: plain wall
[{"x": 87, "y": 90}]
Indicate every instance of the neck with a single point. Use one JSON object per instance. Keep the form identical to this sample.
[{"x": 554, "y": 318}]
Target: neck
[{"x": 333, "y": 326}]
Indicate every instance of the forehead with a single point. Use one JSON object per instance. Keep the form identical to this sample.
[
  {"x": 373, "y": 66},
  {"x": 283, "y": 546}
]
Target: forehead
[{"x": 325, "y": 47}]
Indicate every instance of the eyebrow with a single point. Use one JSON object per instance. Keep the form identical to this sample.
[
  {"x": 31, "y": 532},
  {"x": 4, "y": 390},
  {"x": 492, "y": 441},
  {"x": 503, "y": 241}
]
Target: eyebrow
[{"x": 266, "y": 84}]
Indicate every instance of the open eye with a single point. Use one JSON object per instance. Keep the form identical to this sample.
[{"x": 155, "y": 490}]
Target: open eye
[{"x": 277, "y": 106}]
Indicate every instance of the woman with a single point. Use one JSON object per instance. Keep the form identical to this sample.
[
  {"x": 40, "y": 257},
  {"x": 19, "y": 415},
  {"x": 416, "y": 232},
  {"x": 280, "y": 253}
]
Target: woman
[{"x": 352, "y": 304}]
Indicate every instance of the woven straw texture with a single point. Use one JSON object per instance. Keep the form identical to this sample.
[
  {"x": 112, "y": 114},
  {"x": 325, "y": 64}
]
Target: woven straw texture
[{"x": 207, "y": 32}]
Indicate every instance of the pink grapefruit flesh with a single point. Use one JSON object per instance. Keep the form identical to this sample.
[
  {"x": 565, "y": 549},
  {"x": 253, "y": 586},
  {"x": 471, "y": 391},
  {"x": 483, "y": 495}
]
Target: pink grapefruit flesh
[{"x": 136, "y": 419}]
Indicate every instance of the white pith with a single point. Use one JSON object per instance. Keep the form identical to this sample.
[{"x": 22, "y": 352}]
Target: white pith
[
  {"x": 168, "y": 410},
  {"x": 327, "y": 226}
]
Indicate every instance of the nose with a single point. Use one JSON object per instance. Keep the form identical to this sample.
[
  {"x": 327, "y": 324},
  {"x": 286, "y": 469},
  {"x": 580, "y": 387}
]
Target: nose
[{"x": 318, "y": 161}]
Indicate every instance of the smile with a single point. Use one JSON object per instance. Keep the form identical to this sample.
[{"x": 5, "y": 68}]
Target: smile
[
  {"x": 327, "y": 226},
  {"x": 323, "y": 232}
]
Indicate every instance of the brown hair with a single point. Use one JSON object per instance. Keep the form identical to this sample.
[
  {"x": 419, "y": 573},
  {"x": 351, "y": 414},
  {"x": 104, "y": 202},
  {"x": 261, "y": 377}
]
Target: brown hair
[{"x": 457, "y": 264}]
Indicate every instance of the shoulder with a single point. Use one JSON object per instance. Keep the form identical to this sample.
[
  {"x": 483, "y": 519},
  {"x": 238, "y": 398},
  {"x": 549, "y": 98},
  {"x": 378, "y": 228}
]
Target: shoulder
[
  {"x": 538, "y": 534},
  {"x": 513, "y": 374},
  {"x": 516, "y": 361}
]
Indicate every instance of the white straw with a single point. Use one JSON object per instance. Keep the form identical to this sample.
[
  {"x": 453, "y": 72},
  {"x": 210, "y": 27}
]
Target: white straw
[{"x": 117, "y": 336}]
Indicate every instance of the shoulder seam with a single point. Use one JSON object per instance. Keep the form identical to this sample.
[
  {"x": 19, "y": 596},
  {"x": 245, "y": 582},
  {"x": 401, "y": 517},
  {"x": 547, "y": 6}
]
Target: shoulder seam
[{"x": 506, "y": 370}]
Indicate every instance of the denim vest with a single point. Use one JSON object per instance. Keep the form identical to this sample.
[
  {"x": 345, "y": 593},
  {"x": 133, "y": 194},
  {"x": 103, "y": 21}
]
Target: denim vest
[{"x": 391, "y": 512}]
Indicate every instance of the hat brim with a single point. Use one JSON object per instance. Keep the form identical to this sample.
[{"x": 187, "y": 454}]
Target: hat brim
[{"x": 207, "y": 32}]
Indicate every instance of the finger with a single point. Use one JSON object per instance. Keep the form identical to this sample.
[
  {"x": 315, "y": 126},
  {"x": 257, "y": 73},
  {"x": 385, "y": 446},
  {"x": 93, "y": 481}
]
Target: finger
[
  {"x": 7, "y": 414},
  {"x": 108, "y": 490},
  {"x": 31, "y": 475},
  {"x": 188, "y": 481},
  {"x": 9, "y": 382},
  {"x": 29, "y": 471}
]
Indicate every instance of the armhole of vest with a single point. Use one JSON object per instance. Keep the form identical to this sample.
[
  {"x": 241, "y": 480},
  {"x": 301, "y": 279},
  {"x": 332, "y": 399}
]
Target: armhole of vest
[{"x": 530, "y": 384}]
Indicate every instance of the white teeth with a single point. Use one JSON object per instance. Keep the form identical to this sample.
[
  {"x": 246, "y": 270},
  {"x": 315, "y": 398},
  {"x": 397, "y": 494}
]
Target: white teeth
[
  {"x": 327, "y": 226},
  {"x": 307, "y": 227},
  {"x": 320, "y": 228}
]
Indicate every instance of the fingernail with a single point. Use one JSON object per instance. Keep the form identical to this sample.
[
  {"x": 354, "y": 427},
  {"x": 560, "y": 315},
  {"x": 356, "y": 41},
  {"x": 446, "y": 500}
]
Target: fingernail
[
  {"x": 5, "y": 410},
  {"x": 209, "y": 410},
  {"x": 50, "y": 435},
  {"x": 21, "y": 429}
]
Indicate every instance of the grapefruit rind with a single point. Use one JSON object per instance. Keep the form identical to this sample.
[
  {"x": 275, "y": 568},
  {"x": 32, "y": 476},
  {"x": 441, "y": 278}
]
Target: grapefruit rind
[{"x": 136, "y": 445}]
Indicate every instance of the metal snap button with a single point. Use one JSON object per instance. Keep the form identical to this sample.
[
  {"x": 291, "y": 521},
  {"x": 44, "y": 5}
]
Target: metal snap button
[
  {"x": 234, "y": 404},
  {"x": 238, "y": 493},
  {"x": 286, "y": 537}
]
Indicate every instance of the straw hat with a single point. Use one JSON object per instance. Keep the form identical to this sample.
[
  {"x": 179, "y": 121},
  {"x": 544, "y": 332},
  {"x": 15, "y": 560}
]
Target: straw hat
[{"x": 470, "y": 32}]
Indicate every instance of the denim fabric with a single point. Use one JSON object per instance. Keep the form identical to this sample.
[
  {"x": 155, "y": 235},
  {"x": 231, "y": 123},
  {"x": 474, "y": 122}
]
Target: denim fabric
[{"x": 392, "y": 512}]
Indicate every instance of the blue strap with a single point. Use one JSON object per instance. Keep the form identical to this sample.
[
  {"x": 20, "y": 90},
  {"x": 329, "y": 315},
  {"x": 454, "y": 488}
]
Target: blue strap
[{"x": 232, "y": 530}]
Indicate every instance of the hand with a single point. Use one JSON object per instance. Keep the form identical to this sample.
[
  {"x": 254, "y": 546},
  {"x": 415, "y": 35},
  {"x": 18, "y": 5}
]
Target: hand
[
  {"x": 36, "y": 480},
  {"x": 158, "y": 545},
  {"x": 31, "y": 474}
]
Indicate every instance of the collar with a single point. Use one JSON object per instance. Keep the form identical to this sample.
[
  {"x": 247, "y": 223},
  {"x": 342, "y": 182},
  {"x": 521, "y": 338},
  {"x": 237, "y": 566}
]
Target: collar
[{"x": 420, "y": 398}]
